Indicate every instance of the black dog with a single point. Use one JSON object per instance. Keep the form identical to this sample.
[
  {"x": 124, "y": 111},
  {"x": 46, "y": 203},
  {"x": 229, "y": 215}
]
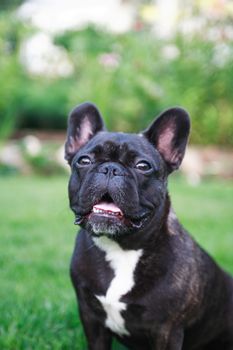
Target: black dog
[{"x": 137, "y": 273}]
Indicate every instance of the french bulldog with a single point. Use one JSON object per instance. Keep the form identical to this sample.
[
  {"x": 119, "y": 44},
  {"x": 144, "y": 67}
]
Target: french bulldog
[{"x": 137, "y": 273}]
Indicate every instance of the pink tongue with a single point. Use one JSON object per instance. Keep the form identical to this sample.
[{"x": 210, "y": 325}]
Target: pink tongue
[{"x": 108, "y": 207}]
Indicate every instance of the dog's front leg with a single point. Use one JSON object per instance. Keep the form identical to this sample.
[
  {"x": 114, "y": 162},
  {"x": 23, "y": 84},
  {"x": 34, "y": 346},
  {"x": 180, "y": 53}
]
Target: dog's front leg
[
  {"x": 166, "y": 340},
  {"x": 98, "y": 337},
  {"x": 175, "y": 339}
]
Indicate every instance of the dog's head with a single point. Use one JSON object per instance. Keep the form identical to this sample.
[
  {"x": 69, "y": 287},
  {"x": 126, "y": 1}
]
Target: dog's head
[{"x": 118, "y": 180}]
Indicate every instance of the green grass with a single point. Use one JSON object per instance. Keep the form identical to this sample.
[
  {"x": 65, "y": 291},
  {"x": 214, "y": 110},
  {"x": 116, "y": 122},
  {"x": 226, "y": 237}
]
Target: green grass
[{"x": 37, "y": 301}]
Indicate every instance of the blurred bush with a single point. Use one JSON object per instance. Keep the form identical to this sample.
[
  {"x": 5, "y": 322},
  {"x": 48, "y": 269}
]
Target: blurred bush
[
  {"x": 11, "y": 73},
  {"x": 131, "y": 77}
]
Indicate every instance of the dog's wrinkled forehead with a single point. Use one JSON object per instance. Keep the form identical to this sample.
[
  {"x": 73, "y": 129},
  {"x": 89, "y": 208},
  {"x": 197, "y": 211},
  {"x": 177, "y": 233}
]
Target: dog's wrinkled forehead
[{"x": 115, "y": 146}]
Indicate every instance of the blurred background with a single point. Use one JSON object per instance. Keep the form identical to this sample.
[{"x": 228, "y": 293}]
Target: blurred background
[{"x": 132, "y": 59}]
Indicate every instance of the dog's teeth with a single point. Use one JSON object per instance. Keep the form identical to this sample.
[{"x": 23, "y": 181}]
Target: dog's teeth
[
  {"x": 98, "y": 211},
  {"x": 108, "y": 212}
]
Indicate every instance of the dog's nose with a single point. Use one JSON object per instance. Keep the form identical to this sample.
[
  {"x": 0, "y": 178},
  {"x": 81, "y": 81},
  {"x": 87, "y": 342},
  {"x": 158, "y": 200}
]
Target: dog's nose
[{"x": 111, "y": 169}]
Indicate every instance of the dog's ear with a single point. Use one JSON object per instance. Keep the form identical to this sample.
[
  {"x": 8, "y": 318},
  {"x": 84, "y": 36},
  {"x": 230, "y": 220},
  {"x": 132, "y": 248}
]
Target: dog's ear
[
  {"x": 169, "y": 134},
  {"x": 83, "y": 123}
]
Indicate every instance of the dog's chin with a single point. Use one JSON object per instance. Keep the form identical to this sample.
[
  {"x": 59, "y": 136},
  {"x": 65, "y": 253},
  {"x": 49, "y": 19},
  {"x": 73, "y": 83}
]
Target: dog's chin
[
  {"x": 107, "y": 225},
  {"x": 112, "y": 226}
]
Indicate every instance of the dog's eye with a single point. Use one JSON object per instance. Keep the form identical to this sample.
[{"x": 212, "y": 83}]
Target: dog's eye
[
  {"x": 84, "y": 160},
  {"x": 143, "y": 166}
]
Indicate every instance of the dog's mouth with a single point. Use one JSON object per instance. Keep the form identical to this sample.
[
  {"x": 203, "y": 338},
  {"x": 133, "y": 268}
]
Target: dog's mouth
[
  {"x": 107, "y": 207},
  {"x": 106, "y": 210}
]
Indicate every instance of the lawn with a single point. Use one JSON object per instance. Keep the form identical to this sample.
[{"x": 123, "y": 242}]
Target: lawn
[{"x": 37, "y": 302}]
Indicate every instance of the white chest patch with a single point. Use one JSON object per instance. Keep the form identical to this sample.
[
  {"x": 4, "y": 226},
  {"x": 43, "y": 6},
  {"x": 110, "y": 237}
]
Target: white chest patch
[{"x": 123, "y": 263}]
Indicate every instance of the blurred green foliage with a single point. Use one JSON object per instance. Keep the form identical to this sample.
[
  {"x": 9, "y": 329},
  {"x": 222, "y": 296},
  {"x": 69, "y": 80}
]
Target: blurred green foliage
[
  {"x": 11, "y": 75},
  {"x": 131, "y": 77},
  {"x": 6, "y": 4}
]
